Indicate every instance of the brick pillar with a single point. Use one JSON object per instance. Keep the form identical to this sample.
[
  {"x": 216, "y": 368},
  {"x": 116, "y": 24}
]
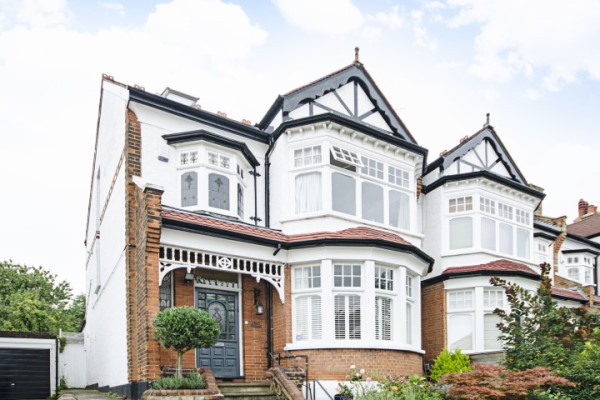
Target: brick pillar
[
  {"x": 589, "y": 291},
  {"x": 433, "y": 320}
]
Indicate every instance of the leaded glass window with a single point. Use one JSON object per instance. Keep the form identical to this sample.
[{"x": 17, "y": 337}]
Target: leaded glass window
[
  {"x": 218, "y": 191},
  {"x": 165, "y": 292},
  {"x": 189, "y": 189}
]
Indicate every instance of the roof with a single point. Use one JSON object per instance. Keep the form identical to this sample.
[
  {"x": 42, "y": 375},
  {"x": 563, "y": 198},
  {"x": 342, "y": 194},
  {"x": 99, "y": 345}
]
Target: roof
[
  {"x": 587, "y": 227},
  {"x": 568, "y": 294},
  {"x": 361, "y": 236},
  {"x": 359, "y": 233},
  {"x": 501, "y": 265}
]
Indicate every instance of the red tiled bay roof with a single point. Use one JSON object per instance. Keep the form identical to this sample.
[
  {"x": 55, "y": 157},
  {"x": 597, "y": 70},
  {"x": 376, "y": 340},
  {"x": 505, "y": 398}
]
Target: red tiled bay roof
[
  {"x": 358, "y": 233},
  {"x": 494, "y": 266},
  {"x": 571, "y": 294}
]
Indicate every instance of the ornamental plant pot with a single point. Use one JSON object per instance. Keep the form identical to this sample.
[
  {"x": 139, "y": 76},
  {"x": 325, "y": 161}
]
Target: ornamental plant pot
[
  {"x": 343, "y": 397},
  {"x": 211, "y": 392}
]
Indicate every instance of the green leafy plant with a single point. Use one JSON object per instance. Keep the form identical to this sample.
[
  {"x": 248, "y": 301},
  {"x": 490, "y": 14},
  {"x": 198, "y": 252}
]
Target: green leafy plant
[
  {"x": 449, "y": 362},
  {"x": 33, "y": 300},
  {"x": 183, "y": 329},
  {"x": 409, "y": 388},
  {"x": 191, "y": 381}
]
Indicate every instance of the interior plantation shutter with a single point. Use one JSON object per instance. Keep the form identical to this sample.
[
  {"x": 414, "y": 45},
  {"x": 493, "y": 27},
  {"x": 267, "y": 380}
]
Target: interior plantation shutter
[
  {"x": 308, "y": 318},
  {"x": 302, "y": 318},
  {"x": 316, "y": 329},
  {"x": 340, "y": 316},
  {"x": 383, "y": 318}
]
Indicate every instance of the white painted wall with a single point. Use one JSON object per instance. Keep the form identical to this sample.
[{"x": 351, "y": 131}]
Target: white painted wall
[
  {"x": 72, "y": 361},
  {"x": 105, "y": 330}
]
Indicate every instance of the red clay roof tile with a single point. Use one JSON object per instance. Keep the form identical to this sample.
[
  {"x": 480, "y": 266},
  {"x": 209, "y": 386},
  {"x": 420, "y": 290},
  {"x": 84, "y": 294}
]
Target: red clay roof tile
[
  {"x": 358, "y": 233},
  {"x": 498, "y": 265},
  {"x": 588, "y": 226},
  {"x": 572, "y": 294}
]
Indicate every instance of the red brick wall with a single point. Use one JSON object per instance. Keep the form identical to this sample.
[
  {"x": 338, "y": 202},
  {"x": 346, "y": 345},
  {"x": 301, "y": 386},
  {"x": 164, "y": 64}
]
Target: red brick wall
[
  {"x": 282, "y": 315},
  {"x": 335, "y": 364},
  {"x": 433, "y": 320},
  {"x": 255, "y": 331}
]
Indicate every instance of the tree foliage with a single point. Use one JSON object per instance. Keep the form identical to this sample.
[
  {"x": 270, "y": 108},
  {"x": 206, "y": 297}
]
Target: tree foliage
[
  {"x": 185, "y": 328},
  {"x": 536, "y": 331},
  {"x": 450, "y": 362},
  {"x": 32, "y": 299},
  {"x": 494, "y": 382}
]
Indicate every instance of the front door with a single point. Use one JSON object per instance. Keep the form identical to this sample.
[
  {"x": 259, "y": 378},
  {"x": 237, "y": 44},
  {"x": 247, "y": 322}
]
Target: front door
[{"x": 224, "y": 358}]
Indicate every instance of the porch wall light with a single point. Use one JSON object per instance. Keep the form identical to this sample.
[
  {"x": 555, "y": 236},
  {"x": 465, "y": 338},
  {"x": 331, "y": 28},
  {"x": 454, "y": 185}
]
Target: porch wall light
[
  {"x": 189, "y": 277},
  {"x": 257, "y": 304}
]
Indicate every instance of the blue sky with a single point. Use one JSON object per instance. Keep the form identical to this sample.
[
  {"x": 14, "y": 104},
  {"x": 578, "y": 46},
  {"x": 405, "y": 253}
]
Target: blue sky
[{"x": 443, "y": 64}]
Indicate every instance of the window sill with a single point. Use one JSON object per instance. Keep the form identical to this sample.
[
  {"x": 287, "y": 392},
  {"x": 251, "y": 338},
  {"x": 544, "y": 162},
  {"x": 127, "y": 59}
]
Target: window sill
[{"x": 350, "y": 345}]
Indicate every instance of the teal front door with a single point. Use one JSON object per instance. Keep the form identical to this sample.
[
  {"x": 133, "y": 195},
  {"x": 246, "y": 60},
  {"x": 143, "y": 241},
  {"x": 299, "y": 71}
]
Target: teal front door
[{"x": 223, "y": 358}]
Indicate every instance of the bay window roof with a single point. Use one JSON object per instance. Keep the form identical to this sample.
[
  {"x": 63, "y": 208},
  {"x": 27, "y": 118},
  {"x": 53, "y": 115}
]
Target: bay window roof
[{"x": 206, "y": 223}]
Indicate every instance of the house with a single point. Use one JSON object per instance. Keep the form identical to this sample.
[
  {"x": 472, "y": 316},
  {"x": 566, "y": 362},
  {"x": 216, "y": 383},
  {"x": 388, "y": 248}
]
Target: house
[{"x": 320, "y": 231}]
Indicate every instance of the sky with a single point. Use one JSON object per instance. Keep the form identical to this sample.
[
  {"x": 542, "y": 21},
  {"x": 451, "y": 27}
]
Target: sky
[{"x": 534, "y": 65}]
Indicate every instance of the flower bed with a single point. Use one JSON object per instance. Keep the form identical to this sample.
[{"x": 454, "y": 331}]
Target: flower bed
[{"x": 211, "y": 392}]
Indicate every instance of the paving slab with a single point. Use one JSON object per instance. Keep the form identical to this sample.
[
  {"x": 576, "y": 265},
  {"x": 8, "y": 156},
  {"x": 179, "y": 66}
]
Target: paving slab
[{"x": 76, "y": 394}]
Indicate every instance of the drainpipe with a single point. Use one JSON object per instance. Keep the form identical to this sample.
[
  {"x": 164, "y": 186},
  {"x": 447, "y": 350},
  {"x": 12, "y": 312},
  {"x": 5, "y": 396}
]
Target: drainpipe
[
  {"x": 267, "y": 180},
  {"x": 255, "y": 198},
  {"x": 269, "y": 301}
]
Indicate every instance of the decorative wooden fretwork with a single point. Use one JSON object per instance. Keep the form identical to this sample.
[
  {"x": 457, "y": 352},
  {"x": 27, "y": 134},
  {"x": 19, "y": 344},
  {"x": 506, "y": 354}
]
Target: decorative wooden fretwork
[{"x": 173, "y": 257}]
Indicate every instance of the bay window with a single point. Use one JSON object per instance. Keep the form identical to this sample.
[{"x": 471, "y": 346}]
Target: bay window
[
  {"x": 359, "y": 185},
  {"x": 506, "y": 238},
  {"x": 218, "y": 191},
  {"x": 460, "y": 320},
  {"x": 341, "y": 305}
]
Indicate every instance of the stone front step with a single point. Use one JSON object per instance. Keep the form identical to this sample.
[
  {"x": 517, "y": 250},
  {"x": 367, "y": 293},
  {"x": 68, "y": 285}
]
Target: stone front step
[{"x": 246, "y": 391}]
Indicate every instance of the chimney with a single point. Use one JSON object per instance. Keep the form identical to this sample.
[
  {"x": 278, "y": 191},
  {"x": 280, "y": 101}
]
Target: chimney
[
  {"x": 592, "y": 209},
  {"x": 583, "y": 207}
]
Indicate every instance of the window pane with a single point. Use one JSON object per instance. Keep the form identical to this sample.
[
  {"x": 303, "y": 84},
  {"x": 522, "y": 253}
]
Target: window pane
[
  {"x": 460, "y": 300},
  {"x": 506, "y": 238},
  {"x": 409, "y": 324},
  {"x": 522, "y": 243},
  {"x": 372, "y": 202},
  {"x": 343, "y": 193},
  {"x": 491, "y": 332},
  {"x": 189, "y": 189},
  {"x": 461, "y": 233},
  {"x": 165, "y": 291},
  {"x": 488, "y": 233},
  {"x": 460, "y": 332},
  {"x": 399, "y": 209},
  {"x": 353, "y": 317},
  {"x": 492, "y": 299},
  {"x": 347, "y": 275},
  {"x": 240, "y": 201},
  {"x": 383, "y": 318},
  {"x": 308, "y": 192},
  {"x": 218, "y": 191},
  {"x": 308, "y": 318}
]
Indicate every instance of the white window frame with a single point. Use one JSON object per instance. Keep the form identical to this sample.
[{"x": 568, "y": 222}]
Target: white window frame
[
  {"x": 460, "y": 204},
  {"x": 312, "y": 160},
  {"x": 343, "y": 155},
  {"x": 220, "y": 157}
]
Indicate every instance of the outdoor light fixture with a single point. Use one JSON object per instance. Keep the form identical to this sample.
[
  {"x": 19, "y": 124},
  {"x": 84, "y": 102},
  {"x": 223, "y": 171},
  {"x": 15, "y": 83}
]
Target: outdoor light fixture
[
  {"x": 259, "y": 307},
  {"x": 189, "y": 277}
]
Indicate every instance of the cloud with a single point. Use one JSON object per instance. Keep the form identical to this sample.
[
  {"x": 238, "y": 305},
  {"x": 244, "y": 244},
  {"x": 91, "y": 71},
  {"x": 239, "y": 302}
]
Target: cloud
[
  {"x": 32, "y": 13},
  {"x": 554, "y": 39},
  {"x": 330, "y": 17},
  {"x": 120, "y": 8},
  {"x": 390, "y": 19}
]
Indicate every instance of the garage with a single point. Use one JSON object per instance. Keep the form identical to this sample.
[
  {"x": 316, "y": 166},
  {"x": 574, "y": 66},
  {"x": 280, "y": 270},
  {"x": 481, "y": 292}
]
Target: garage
[{"x": 27, "y": 365}]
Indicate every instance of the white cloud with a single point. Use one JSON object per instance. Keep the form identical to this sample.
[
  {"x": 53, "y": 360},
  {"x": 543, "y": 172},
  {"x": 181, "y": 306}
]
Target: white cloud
[
  {"x": 555, "y": 38},
  {"x": 390, "y": 19},
  {"x": 33, "y": 13},
  {"x": 421, "y": 35},
  {"x": 331, "y": 17},
  {"x": 120, "y": 8}
]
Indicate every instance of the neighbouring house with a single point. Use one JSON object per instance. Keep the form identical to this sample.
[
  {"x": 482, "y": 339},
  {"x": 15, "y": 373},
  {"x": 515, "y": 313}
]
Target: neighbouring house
[{"x": 320, "y": 231}]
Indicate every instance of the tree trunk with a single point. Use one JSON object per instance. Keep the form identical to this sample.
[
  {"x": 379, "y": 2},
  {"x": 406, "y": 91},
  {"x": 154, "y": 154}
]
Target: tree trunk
[{"x": 179, "y": 372}]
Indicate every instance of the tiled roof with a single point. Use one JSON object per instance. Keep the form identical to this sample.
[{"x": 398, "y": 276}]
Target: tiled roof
[
  {"x": 494, "y": 266},
  {"x": 358, "y": 233},
  {"x": 588, "y": 226},
  {"x": 571, "y": 294}
]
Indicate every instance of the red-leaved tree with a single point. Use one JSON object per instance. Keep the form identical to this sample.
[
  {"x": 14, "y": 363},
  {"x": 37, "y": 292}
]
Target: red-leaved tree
[{"x": 490, "y": 382}]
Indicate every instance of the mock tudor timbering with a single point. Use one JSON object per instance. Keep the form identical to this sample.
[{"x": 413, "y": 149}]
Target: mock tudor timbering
[{"x": 321, "y": 232}]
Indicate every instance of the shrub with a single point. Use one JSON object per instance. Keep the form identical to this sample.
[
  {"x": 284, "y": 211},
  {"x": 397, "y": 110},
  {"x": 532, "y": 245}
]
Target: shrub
[
  {"x": 183, "y": 329},
  {"x": 411, "y": 388},
  {"x": 450, "y": 362},
  {"x": 191, "y": 381},
  {"x": 490, "y": 382}
]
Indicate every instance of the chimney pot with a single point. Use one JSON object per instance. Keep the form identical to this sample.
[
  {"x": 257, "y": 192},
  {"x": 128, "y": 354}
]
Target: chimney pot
[{"x": 583, "y": 207}]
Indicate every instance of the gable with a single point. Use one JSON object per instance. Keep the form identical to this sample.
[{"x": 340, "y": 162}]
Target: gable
[
  {"x": 482, "y": 152},
  {"x": 350, "y": 93}
]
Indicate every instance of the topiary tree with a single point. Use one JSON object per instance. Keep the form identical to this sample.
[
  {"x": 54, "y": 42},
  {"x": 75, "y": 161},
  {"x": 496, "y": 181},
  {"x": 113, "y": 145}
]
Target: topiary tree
[
  {"x": 183, "y": 329},
  {"x": 449, "y": 362}
]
